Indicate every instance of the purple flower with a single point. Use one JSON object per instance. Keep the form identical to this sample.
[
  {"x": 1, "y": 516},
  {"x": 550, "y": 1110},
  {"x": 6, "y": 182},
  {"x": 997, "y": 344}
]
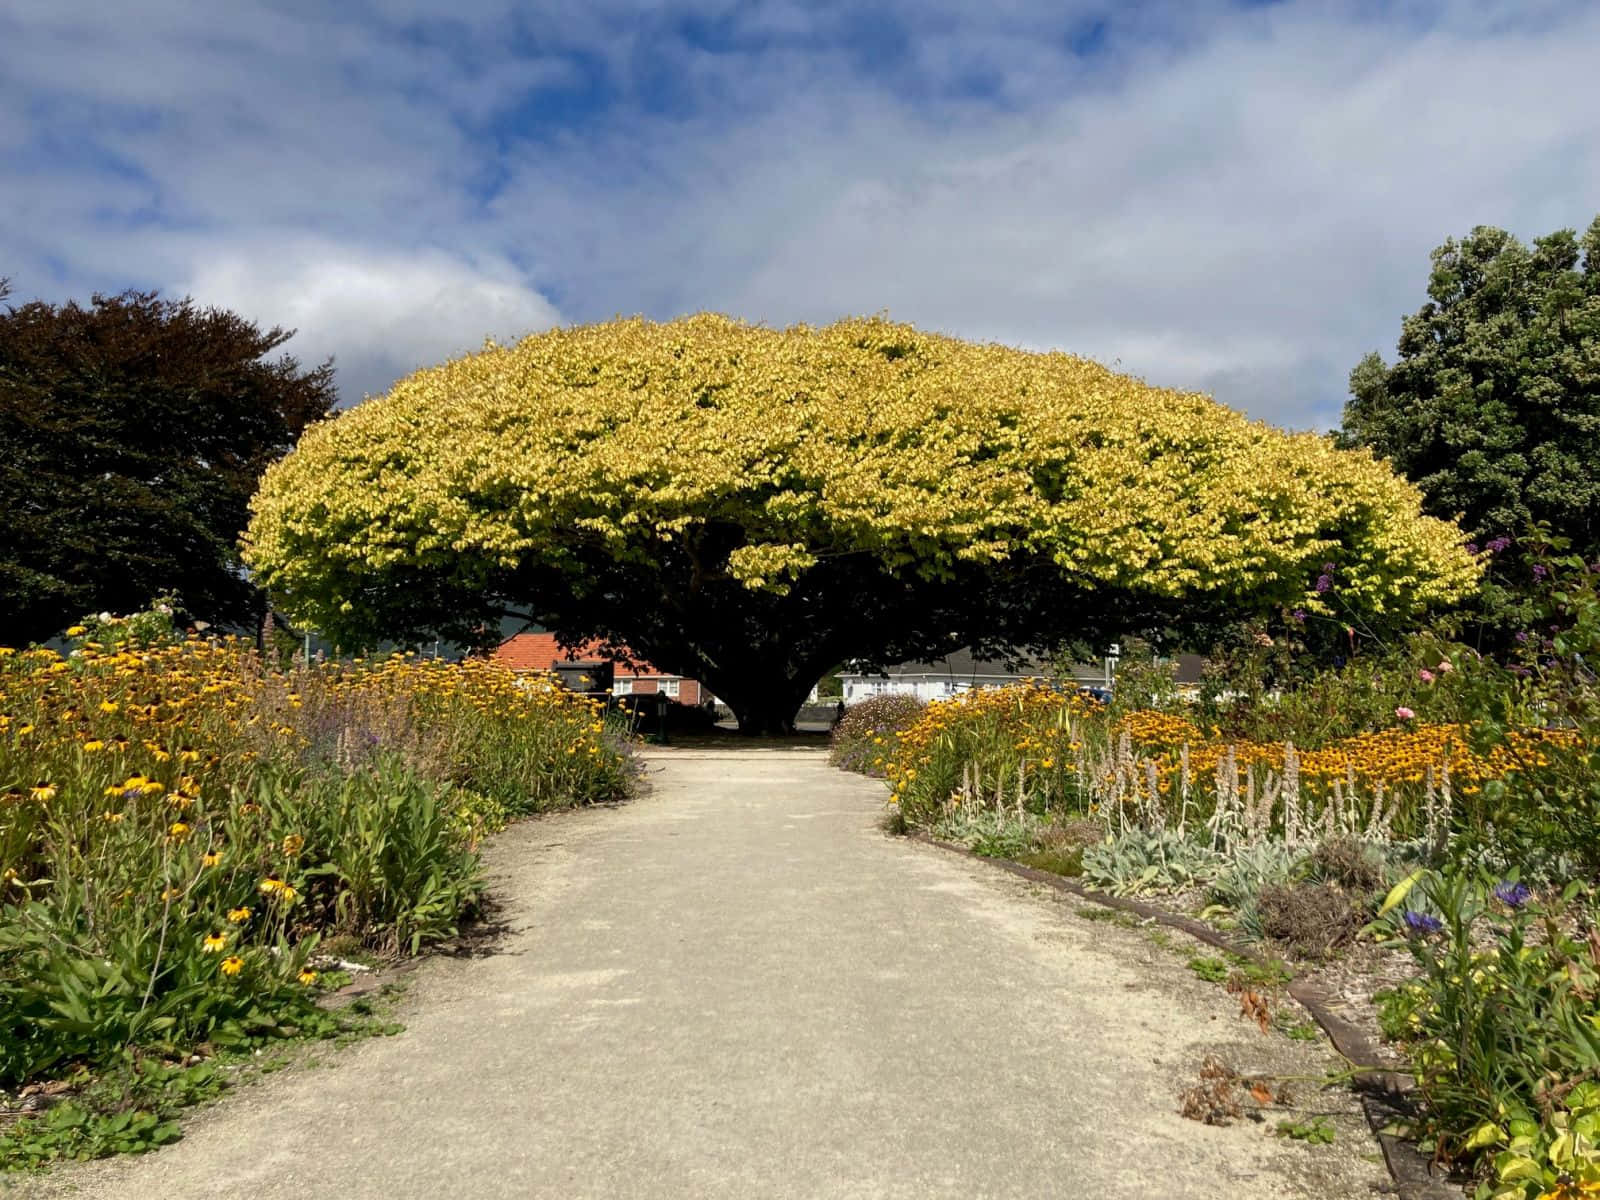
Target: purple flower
[
  {"x": 1497, "y": 545},
  {"x": 1422, "y": 923},
  {"x": 1299, "y": 614},
  {"x": 1522, "y": 636},
  {"x": 1324, "y": 582},
  {"x": 1512, "y": 895},
  {"x": 1540, "y": 571},
  {"x": 1472, "y": 547},
  {"x": 1327, "y": 568}
]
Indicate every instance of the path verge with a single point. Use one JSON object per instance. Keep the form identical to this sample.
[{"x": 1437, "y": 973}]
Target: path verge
[{"x": 1386, "y": 1095}]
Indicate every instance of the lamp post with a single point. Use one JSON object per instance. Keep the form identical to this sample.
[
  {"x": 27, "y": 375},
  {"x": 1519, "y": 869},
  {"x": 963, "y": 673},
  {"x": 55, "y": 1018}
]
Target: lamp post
[{"x": 1113, "y": 652}]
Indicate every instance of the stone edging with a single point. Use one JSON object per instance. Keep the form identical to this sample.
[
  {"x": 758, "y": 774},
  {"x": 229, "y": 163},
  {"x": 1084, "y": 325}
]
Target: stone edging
[{"x": 1384, "y": 1093}]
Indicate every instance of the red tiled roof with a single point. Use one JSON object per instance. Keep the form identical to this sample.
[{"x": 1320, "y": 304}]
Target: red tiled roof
[{"x": 539, "y": 652}]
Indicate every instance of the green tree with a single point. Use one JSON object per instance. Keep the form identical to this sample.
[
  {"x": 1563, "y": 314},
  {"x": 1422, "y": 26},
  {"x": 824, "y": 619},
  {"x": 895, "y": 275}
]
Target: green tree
[
  {"x": 1493, "y": 406},
  {"x": 750, "y": 506},
  {"x": 132, "y": 434}
]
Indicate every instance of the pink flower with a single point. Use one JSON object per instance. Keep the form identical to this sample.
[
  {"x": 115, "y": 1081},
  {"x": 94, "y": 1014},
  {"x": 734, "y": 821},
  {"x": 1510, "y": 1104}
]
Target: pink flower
[
  {"x": 1404, "y": 713},
  {"x": 1425, "y": 675},
  {"x": 1445, "y": 666}
]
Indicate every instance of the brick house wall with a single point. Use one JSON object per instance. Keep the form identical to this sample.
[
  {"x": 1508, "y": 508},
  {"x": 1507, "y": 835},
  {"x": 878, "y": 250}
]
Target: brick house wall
[{"x": 539, "y": 652}]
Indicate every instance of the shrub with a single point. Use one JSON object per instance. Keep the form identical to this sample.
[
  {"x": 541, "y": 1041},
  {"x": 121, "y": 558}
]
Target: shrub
[{"x": 866, "y": 737}]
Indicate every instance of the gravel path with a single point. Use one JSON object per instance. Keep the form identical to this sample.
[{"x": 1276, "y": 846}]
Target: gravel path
[{"x": 738, "y": 987}]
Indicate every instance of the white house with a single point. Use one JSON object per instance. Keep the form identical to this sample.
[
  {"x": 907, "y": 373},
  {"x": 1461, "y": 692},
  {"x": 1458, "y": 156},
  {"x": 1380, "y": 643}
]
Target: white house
[{"x": 958, "y": 672}]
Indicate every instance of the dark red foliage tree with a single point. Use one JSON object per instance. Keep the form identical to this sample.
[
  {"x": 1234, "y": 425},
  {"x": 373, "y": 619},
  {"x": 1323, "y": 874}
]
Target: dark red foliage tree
[{"x": 132, "y": 433}]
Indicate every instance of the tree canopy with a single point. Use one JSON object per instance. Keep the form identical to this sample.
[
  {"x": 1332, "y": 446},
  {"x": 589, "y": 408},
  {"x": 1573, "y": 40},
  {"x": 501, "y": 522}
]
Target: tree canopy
[
  {"x": 1493, "y": 406},
  {"x": 134, "y": 431},
  {"x": 750, "y": 506}
]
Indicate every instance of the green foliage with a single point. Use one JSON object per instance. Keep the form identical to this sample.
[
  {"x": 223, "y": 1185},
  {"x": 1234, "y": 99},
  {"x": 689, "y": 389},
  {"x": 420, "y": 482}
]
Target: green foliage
[
  {"x": 1500, "y": 1024},
  {"x": 1249, "y": 696},
  {"x": 1296, "y": 1030},
  {"x": 991, "y": 748},
  {"x": 990, "y": 833},
  {"x": 1058, "y": 847},
  {"x": 393, "y": 855},
  {"x": 1493, "y": 407},
  {"x": 1557, "y": 1158},
  {"x": 1247, "y": 869},
  {"x": 1544, "y": 818},
  {"x": 135, "y": 430},
  {"x": 133, "y": 1104},
  {"x": 1114, "y": 916},
  {"x": 1144, "y": 861},
  {"x": 151, "y": 626},
  {"x": 1145, "y": 679},
  {"x": 1314, "y": 1131},
  {"x": 1211, "y": 969},
  {"x": 71, "y": 1131}
]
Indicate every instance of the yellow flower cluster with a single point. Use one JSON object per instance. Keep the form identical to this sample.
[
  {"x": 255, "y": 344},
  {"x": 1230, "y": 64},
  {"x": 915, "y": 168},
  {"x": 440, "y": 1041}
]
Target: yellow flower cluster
[
  {"x": 1030, "y": 725},
  {"x": 1392, "y": 757},
  {"x": 863, "y": 437},
  {"x": 156, "y": 752},
  {"x": 1036, "y": 733}
]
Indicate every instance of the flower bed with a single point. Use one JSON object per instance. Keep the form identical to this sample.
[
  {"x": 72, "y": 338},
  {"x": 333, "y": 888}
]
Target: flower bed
[
  {"x": 1037, "y": 749},
  {"x": 1298, "y": 846},
  {"x": 867, "y": 736},
  {"x": 182, "y": 825}
]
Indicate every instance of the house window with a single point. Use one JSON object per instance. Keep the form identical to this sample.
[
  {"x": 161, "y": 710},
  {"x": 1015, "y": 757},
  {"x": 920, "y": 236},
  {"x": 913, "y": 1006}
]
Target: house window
[
  {"x": 670, "y": 687},
  {"x": 622, "y": 687}
]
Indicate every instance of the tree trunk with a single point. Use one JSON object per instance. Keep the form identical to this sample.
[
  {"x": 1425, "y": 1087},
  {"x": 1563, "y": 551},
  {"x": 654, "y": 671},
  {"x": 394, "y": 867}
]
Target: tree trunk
[{"x": 764, "y": 707}]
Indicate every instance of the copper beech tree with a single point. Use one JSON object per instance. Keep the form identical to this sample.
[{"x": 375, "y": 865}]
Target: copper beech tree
[
  {"x": 749, "y": 506},
  {"x": 133, "y": 431}
]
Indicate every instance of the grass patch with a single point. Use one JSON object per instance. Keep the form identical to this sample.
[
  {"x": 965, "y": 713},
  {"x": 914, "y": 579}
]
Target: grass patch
[
  {"x": 1211, "y": 969},
  {"x": 1112, "y": 916},
  {"x": 1227, "y": 966},
  {"x": 1058, "y": 860}
]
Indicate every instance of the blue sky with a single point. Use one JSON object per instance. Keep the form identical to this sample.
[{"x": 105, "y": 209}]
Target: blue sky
[{"x": 1232, "y": 197}]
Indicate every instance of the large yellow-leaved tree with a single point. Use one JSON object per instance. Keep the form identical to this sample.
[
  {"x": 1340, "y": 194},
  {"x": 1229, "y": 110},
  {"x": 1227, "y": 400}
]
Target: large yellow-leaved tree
[{"x": 749, "y": 506}]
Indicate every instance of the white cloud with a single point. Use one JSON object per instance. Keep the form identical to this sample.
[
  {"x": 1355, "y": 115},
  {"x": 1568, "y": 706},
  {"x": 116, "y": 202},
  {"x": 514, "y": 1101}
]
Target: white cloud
[
  {"x": 1252, "y": 213},
  {"x": 1217, "y": 198},
  {"x": 381, "y": 314}
]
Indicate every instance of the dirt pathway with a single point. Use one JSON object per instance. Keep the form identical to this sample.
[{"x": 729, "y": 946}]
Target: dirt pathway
[{"x": 738, "y": 987}]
